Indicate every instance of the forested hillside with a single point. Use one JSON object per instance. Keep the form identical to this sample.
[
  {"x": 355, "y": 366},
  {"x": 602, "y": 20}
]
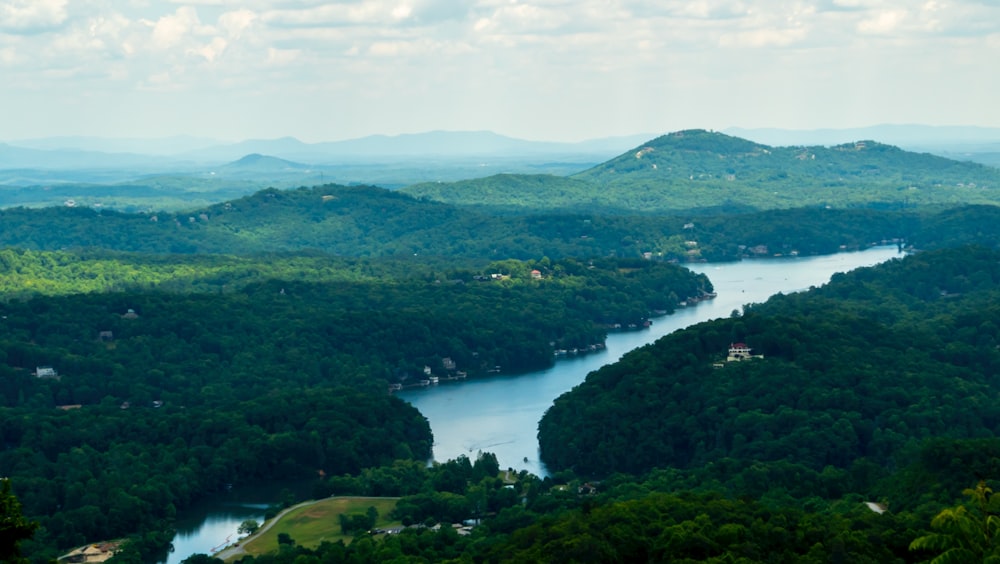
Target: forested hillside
[
  {"x": 858, "y": 371},
  {"x": 868, "y": 414},
  {"x": 698, "y": 170},
  {"x": 164, "y": 396},
  {"x": 373, "y": 222},
  {"x": 149, "y": 359}
]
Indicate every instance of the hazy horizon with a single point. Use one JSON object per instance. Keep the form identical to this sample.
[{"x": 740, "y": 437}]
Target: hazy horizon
[{"x": 543, "y": 70}]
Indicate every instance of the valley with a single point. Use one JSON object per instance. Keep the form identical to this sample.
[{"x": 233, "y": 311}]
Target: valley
[{"x": 264, "y": 329}]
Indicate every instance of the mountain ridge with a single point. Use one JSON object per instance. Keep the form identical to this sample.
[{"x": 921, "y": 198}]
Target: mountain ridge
[{"x": 698, "y": 168}]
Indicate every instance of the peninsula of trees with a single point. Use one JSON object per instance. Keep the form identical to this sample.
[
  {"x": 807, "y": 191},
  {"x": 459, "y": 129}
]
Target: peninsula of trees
[{"x": 150, "y": 358}]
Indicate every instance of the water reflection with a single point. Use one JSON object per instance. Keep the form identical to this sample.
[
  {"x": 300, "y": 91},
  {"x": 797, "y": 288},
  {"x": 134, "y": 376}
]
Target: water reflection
[{"x": 500, "y": 414}]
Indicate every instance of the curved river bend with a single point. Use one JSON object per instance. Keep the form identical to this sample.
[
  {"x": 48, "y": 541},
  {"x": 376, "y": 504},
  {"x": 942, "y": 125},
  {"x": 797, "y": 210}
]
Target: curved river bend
[{"x": 500, "y": 414}]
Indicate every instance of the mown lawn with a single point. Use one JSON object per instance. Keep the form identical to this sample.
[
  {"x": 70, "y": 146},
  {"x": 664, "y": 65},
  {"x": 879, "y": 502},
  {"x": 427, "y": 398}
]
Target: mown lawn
[{"x": 312, "y": 524}]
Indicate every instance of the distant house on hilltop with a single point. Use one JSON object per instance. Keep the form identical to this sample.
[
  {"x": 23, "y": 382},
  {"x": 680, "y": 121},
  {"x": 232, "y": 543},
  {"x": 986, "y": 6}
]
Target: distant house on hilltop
[{"x": 739, "y": 352}]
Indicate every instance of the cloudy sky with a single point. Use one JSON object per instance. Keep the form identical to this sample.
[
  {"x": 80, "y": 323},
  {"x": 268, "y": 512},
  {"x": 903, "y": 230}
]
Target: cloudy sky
[{"x": 537, "y": 69}]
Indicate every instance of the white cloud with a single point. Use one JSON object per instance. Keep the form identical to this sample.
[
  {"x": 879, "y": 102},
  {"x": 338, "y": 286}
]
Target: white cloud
[
  {"x": 236, "y": 22},
  {"x": 883, "y": 22},
  {"x": 357, "y": 13},
  {"x": 212, "y": 50},
  {"x": 28, "y": 16},
  {"x": 9, "y": 56},
  {"x": 172, "y": 29},
  {"x": 459, "y": 61},
  {"x": 282, "y": 57}
]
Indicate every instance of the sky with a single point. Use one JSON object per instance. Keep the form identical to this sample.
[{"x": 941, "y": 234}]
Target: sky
[{"x": 559, "y": 70}]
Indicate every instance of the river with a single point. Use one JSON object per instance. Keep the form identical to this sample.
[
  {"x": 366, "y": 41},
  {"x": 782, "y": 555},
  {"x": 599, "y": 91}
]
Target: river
[{"x": 500, "y": 414}]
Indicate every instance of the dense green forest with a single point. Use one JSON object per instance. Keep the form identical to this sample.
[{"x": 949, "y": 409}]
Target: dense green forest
[
  {"x": 148, "y": 359},
  {"x": 373, "y": 222},
  {"x": 875, "y": 388},
  {"x": 165, "y": 396},
  {"x": 666, "y": 515},
  {"x": 699, "y": 170},
  {"x": 682, "y": 171},
  {"x": 859, "y": 370}
]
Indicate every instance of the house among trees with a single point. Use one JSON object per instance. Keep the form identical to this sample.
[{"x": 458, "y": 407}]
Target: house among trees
[
  {"x": 740, "y": 351},
  {"x": 91, "y": 553},
  {"x": 46, "y": 372}
]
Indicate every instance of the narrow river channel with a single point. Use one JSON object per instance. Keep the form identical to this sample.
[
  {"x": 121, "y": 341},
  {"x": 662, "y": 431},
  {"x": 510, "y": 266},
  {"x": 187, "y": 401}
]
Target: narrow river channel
[{"x": 500, "y": 414}]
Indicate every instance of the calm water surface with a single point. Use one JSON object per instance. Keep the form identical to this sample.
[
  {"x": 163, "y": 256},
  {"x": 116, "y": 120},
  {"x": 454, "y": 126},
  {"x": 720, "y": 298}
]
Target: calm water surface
[
  {"x": 210, "y": 525},
  {"x": 500, "y": 414}
]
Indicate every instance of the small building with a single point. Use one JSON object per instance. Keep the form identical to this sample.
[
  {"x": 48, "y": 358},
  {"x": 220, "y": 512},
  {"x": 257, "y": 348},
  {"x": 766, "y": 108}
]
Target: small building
[
  {"x": 740, "y": 351},
  {"x": 130, "y": 314},
  {"x": 91, "y": 553},
  {"x": 448, "y": 364},
  {"x": 536, "y": 274},
  {"x": 877, "y": 507},
  {"x": 46, "y": 372}
]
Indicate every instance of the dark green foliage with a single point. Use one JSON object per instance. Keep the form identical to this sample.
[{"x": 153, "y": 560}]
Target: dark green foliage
[
  {"x": 372, "y": 222},
  {"x": 275, "y": 379},
  {"x": 848, "y": 373},
  {"x": 151, "y": 545},
  {"x": 14, "y": 526},
  {"x": 248, "y": 527},
  {"x": 356, "y": 523},
  {"x": 967, "y": 533},
  {"x": 688, "y": 528},
  {"x": 201, "y": 559}
]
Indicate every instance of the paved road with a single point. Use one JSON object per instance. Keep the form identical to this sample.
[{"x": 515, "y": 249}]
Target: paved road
[{"x": 237, "y": 550}]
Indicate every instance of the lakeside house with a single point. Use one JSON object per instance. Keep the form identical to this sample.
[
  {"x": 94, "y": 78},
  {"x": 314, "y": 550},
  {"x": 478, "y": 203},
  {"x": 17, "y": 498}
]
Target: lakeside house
[
  {"x": 739, "y": 352},
  {"x": 91, "y": 553}
]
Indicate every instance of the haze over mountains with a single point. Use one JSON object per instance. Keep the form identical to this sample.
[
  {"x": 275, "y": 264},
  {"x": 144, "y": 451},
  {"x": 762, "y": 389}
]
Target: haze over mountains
[
  {"x": 391, "y": 161},
  {"x": 97, "y": 152},
  {"x": 60, "y": 151},
  {"x": 482, "y": 168},
  {"x": 979, "y": 144},
  {"x": 703, "y": 170}
]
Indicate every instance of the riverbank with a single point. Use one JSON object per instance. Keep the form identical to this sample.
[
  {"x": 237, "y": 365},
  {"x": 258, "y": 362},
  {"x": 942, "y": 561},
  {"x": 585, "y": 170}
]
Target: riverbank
[
  {"x": 310, "y": 523},
  {"x": 500, "y": 413},
  {"x": 557, "y": 354}
]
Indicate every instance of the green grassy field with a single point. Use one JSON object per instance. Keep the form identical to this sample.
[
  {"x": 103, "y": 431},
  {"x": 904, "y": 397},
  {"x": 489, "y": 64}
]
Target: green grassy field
[{"x": 312, "y": 524}]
